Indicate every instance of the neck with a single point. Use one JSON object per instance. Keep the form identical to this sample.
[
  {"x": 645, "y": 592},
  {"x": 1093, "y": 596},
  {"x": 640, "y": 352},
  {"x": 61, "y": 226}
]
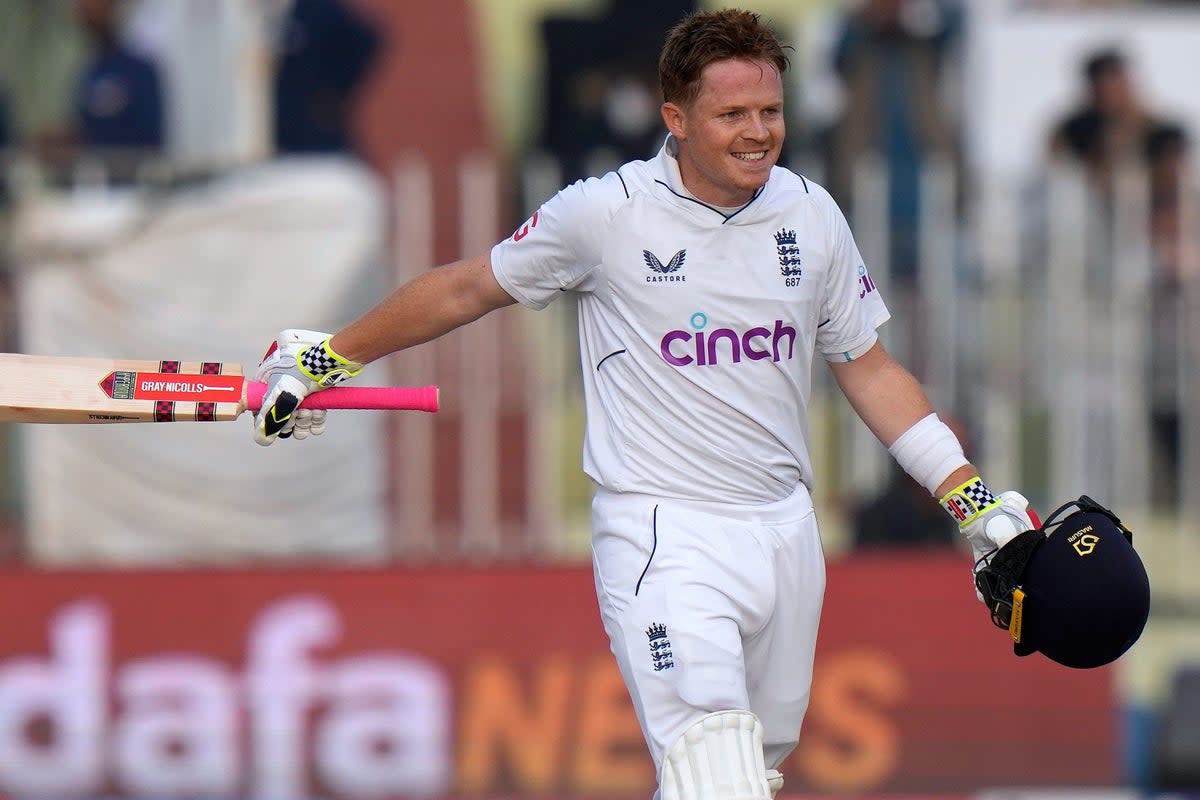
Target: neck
[{"x": 690, "y": 177}]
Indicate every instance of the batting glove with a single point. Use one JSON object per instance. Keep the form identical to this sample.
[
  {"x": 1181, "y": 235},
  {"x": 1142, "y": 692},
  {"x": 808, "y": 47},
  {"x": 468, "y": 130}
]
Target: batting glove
[
  {"x": 298, "y": 363},
  {"x": 987, "y": 521}
]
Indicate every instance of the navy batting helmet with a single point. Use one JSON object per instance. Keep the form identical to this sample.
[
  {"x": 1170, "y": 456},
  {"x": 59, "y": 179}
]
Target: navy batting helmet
[{"x": 1074, "y": 589}]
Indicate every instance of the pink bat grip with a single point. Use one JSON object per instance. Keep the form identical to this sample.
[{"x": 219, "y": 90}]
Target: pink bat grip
[{"x": 375, "y": 398}]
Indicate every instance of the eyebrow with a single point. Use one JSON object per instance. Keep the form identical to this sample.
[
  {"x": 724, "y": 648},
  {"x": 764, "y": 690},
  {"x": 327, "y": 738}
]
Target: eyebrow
[{"x": 727, "y": 109}]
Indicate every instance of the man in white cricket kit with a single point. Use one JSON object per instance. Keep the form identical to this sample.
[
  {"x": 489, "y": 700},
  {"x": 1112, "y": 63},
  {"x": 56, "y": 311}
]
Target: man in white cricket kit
[{"x": 708, "y": 279}]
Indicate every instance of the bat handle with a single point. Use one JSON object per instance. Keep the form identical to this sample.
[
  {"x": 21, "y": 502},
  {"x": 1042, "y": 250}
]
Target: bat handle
[{"x": 374, "y": 398}]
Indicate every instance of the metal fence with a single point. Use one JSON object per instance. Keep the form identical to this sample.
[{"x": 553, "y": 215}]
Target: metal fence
[{"x": 1042, "y": 312}]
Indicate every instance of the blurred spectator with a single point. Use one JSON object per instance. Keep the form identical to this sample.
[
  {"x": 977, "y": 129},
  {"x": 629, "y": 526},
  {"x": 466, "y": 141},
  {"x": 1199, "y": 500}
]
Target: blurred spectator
[
  {"x": 1177, "y": 750},
  {"x": 119, "y": 101},
  {"x": 889, "y": 55},
  {"x": 602, "y": 95},
  {"x": 613, "y": 118},
  {"x": 1167, "y": 163},
  {"x": 41, "y": 50},
  {"x": 1111, "y": 129},
  {"x": 325, "y": 50},
  {"x": 1112, "y": 125},
  {"x": 904, "y": 514},
  {"x": 5, "y": 125},
  {"x": 1167, "y": 155}
]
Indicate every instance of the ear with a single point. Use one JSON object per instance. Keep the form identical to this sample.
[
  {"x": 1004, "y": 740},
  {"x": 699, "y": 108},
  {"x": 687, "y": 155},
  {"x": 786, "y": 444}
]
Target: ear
[{"x": 673, "y": 117}]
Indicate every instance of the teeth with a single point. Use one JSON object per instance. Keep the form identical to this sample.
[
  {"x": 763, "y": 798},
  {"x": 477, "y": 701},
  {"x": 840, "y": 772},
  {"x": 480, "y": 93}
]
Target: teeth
[{"x": 749, "y": 156}]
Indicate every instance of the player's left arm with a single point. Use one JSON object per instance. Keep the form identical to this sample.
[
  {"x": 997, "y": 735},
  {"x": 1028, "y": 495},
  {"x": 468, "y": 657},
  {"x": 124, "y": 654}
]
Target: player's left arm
[
  {"x": 893, "y": 405},
  {"x": 890, "y": 401}
]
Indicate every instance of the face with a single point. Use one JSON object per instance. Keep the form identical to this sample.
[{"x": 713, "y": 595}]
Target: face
[
  {"x": 1115, "y": 92},
  {"x": 731, "y": 135}
]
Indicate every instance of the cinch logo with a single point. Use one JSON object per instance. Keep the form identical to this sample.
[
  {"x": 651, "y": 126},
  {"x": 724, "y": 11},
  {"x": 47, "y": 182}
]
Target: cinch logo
[{"x": 681, "y": 348}]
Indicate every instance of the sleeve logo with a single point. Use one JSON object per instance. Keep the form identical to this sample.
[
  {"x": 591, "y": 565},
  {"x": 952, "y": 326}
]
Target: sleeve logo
[
  {"x": 524, "y": 230},
  {"x": 865, "y": 284}
]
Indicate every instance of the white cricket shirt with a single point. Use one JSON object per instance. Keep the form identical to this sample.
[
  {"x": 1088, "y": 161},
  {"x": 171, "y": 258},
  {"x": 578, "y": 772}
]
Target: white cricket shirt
[{"x": 697, "y": 330}]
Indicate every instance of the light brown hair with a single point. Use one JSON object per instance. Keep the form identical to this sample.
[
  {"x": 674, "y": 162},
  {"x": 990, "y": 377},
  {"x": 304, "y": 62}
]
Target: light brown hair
[{"x": 707, "y": 36}]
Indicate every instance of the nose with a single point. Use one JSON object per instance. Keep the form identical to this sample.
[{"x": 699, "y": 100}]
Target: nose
[{"x": 756, "y": 128}]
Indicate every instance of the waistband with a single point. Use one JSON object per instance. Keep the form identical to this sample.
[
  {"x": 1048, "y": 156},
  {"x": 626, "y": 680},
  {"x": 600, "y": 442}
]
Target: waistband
[{"x": 796, "y": 505}]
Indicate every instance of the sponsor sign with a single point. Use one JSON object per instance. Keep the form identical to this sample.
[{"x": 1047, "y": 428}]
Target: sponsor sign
[{"x": 356, "y": 683}]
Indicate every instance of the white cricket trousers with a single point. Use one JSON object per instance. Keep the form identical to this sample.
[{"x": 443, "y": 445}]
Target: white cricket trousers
[{"x": 710, "y": 607}]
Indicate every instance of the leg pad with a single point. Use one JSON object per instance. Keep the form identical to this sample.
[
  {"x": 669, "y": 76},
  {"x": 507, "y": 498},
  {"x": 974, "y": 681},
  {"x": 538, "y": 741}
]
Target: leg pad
[{"x": 720, "y": 757}]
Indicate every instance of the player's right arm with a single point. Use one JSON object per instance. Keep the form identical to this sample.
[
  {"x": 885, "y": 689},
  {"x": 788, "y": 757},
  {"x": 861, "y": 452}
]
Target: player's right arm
[
  {"x": 426, "y": 307},
  {"x": 430, "y": 305},
  {"x": 556, "y": 249}
]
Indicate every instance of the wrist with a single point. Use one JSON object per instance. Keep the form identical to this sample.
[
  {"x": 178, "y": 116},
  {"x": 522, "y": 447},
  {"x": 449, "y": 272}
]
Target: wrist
[
  {"x": 969, "y": 501},
  {"x": 324, "y": 366},
  {"x": 957, "y": 478},
  {"x": 931, "y": 453},
  {"x": 343, "y": 345}
]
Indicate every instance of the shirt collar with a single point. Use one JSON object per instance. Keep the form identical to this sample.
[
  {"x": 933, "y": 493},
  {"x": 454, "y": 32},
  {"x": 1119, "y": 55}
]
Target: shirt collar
[
  {"x": 670, "y": 160},
  {"x": 668, "y": 157}
]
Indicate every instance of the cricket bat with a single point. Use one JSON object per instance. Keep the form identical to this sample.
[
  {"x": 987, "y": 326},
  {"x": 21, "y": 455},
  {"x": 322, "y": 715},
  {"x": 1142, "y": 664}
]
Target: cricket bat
[{"x": 100, "y": 390}]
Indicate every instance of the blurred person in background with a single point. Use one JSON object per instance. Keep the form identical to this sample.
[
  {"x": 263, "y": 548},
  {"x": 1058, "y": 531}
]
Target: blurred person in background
[
  {"x": 601, "y": 87},
  {"x": 613, "y": 118},
  {"x": 1113, "y": 128},
  {"x": 1112, "y": 125},
  {"x": 890, "y": 56},
  {"x": 41, "y": 50},
  {"x": 708, "y": 280},
  {"x": 1168, "y": 162},
  {"x": 119, "y": 100},
  {"x": 325, "y": 50},
  {"x": 5, "y": 123},
  {"x": 1167, "y": 155}
]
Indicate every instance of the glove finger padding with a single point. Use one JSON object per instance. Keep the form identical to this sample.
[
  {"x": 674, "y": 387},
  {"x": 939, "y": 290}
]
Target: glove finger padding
[
  {"x": 309, "y": 422},
  {"x": 318, "y": 421},
  {"x": 277, "y": 417}
]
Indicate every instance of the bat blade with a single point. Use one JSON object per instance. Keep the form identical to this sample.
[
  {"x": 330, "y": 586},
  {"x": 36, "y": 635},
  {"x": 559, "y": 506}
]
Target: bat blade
[{"x": 57, "y": 389}]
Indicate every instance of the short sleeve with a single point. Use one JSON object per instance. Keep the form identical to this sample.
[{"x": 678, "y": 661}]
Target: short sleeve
[
  {"x": 852, "y": 307},
  {"x": 561, "y": 246}
]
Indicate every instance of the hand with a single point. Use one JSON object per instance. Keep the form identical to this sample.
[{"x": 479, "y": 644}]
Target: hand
[
  {"x": 987, "y": 521},
  {"x": 298, "y": 363}
]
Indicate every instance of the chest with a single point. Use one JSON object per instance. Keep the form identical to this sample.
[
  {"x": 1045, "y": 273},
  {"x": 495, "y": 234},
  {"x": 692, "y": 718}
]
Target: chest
[{"x": 742, "y": 274}]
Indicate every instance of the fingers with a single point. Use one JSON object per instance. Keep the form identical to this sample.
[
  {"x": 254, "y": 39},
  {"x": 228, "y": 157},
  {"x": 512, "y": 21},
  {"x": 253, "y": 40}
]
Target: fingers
[
  {"x": 318, "y": 421},
  {"x": 282, "y": 417},
  {"x": 297, "y": 363},
  {"x": 276, "y": 419},
  {"x": 1014, "y": 500},
  {"x": 277, "y": 416},
  {"x": 1015, "y": 504},
  {"x": 308, "y": 422}
]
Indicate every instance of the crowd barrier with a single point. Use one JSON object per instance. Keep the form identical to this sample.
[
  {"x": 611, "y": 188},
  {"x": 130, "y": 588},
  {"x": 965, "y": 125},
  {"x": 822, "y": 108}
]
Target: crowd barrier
[{"x": 368, "y": 683}]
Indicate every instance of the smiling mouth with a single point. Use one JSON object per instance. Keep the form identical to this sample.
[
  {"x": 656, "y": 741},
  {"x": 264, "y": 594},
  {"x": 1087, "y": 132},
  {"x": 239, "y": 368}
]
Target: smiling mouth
[{"x": 751, "y": 157}]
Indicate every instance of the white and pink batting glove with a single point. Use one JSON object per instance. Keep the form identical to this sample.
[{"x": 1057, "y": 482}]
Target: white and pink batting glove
[
  {"x": 296, "y": 364},
  {"x": 988, "y": 521}
]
